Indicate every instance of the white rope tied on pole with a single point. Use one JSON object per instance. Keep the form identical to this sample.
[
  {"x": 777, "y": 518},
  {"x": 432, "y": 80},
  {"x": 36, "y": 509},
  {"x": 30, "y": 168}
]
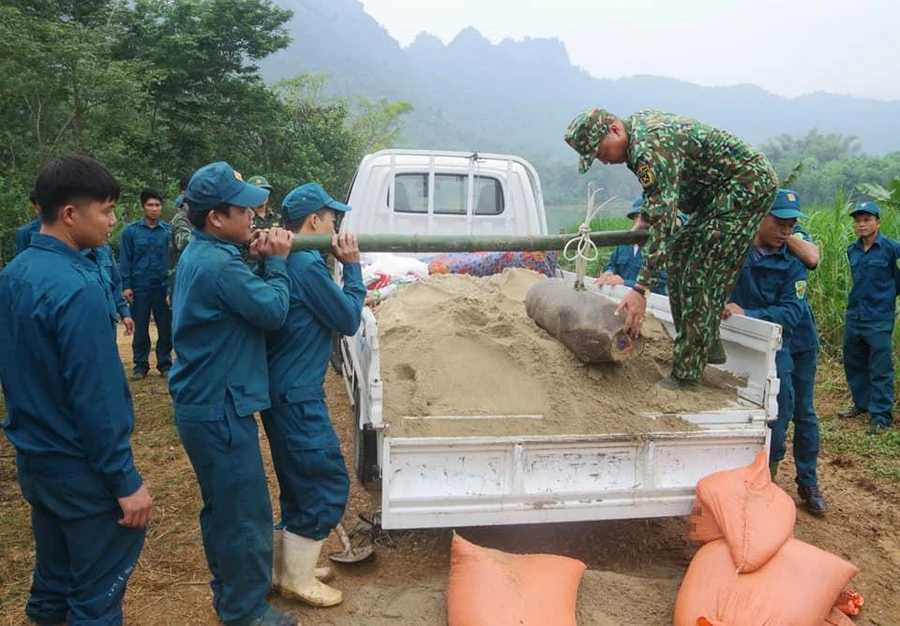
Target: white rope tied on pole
[{"x": 580, "y": 250}]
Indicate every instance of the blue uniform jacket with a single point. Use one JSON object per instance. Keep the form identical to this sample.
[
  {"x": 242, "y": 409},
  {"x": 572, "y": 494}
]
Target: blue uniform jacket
[
  {"x": 805, "y": 337},
  {"x": 773, "y": 288},
  {"x": 298, "y": 354},
  {"x": 63, "y": 382},
  {"x": 623, "y": 262},
  {"x": 144, "y": 256},
  {"x": 876, "y": 280},
  {"x": 220, "y": 313},
  {"x": 24, "y": 233},
  {"x": 111, "y": 280}
]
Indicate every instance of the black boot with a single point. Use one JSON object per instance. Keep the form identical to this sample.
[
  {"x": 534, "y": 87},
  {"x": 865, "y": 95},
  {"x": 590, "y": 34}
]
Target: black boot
[
  {"x": 812, "y": 499},
  {"x": 853, "y": 411}
]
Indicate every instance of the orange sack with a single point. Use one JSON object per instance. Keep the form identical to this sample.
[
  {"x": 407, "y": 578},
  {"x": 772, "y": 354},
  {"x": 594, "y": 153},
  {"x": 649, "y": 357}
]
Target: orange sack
[
  {"x": 751, "y": 571},
  {"x": 493, "y": 588}
]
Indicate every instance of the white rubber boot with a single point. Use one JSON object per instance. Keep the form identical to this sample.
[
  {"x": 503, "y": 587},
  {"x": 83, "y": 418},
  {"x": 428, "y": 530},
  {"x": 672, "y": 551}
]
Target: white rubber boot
[
  {"x": 324, "y": 574},
  {"x": 298, "y": 579}
]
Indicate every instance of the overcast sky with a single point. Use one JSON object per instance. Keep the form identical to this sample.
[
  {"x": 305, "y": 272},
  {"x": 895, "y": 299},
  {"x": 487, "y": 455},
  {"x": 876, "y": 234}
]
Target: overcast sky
[{"x": 789, "y": 47}]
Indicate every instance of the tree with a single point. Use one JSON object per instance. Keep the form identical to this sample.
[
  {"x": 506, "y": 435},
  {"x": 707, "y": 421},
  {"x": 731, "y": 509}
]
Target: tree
[
  {"x": 378, "y": 124},
  {"x": 207, "y": 96},
  {"x": 888, "y": 196}
]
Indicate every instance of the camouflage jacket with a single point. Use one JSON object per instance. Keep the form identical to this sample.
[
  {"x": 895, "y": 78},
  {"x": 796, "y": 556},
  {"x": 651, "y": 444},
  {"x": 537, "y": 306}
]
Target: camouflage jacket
[
  {"x": 179, "y": 236},
  {"x": 269, "y": 221},
  {"x": 683, "y": 165}
]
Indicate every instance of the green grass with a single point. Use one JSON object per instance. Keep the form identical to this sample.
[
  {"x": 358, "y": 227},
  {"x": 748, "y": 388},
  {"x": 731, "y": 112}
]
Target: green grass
[{"x": 879, "y": 455}]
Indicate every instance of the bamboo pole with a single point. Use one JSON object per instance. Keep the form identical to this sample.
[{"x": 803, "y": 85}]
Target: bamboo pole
[{"x": 463, "y": 243}]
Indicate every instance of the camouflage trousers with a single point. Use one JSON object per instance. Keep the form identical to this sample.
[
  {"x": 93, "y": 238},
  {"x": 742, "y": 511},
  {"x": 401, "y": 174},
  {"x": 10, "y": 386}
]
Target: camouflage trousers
[{"x": 704, "y": 260}]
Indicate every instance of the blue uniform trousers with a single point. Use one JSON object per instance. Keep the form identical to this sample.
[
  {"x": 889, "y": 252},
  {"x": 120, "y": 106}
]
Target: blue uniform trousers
[
  {"x": 236, "y": 518},
  {"x": 313, "y": 480},
  {"x": 145, "y": 302},
  {"x": 83, "y": 557},
  {"x": 869, "y": 367},
  {"x": 785, "y": 412},
  {"x": 806, "y": 422}
]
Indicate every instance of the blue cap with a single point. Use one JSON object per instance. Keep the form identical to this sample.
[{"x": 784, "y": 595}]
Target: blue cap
[
  {"x": 867, "y": 207},
  {"x": 179, "y": 201},
  {"x": 306, "y": 199},
  {"x": 635, "y": 207},
  {"x": 218, "y": 183},
  {"x": 787, "y": 205}
]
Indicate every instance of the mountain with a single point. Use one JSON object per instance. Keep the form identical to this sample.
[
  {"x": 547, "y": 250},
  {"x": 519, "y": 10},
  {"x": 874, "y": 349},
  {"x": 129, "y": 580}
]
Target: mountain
[{"x": 518, "y": 96}]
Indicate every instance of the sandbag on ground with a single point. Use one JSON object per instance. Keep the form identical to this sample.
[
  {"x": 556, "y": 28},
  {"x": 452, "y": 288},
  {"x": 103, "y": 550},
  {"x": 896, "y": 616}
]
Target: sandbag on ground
[
  {"x": 751, "y": 571},
  {"x": 493, "y": 588}
]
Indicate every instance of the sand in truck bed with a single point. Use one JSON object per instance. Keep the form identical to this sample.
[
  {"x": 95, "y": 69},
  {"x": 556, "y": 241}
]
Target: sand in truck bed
[{"x": 455, "y": 345}]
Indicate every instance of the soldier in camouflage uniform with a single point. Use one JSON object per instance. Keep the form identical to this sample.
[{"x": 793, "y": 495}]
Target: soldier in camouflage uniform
[
  {"x": 179, "y": 233},
  {"x": 723, "y": 184},
  {"x": 263, "y": 216}
]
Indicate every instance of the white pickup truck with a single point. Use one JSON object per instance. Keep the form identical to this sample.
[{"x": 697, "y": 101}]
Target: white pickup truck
[{"x": 430, "y": 482}]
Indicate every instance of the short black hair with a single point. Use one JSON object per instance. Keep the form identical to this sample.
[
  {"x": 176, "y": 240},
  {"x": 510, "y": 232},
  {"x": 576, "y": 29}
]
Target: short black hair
[
  {"x": 198, "y": 218},
  {"x": 296, "y": 224},
  {"x": 32, "y": 196},
  {"x": 185, "y": 180},
  {"x": 150, "y": 194},
  {"x": 70, "y": 180}
]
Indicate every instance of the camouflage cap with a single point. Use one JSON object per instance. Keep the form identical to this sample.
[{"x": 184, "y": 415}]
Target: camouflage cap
[
  {"x": 585, "y": 133},
  {"x": 260, "y": 181}
]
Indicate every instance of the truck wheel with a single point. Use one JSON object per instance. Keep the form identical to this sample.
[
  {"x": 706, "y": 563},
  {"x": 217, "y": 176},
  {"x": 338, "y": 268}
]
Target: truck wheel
[
  {"x": 337, "y": 359},
  {"x": 365, "y": 448}
]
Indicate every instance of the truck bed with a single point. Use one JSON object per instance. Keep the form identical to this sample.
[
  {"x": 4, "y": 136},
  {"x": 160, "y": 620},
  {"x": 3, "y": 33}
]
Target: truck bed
[{"x": 450, "y": 470}]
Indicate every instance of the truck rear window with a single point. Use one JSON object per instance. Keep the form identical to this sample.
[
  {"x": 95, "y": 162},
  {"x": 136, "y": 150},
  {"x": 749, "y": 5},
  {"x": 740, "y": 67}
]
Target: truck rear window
[{"x": 450, "y": 193}]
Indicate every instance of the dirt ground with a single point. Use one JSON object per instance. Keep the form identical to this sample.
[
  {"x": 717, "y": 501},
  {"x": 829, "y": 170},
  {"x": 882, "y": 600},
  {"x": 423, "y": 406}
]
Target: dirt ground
[{"x": 635, "y": 567}]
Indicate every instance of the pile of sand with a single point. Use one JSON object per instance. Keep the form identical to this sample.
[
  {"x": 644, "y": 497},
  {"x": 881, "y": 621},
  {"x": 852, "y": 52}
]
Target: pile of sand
[{"x": 455, "y": 345}]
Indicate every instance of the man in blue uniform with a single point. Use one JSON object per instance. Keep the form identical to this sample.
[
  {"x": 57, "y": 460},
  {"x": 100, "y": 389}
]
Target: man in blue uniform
[
  {"x": 109, "y": 277},
  {"x": 626, "y": 260},
  {"x": 221, "y": 312},
  {"x": 24, "y": 232},
  {"x": 869, "y": 322},
  {"x": 69, "y": 409},
  {"x": 804, "y": 354},
  {"x": 312, "y": 477},
  {"x": 106, "y": 270},
  {"x": 143, "y": 255},
  {"x": 772, "y": 287}
]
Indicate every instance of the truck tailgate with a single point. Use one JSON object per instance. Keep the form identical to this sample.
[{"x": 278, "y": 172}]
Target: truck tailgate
[{"x": 467, "y": 481}]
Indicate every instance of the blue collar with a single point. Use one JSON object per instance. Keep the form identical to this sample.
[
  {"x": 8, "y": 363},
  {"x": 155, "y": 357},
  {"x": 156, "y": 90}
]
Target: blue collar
[
  {"x": 879, "y": 239},
  {"x": 52, "y": 244},
  {"x": 220, "y": 243}
]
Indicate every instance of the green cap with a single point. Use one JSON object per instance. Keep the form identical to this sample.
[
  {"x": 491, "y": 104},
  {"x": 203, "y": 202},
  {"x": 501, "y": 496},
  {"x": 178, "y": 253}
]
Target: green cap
[
  {"x": 260, "y": 181},
  {"x": 585, "y": 133}
]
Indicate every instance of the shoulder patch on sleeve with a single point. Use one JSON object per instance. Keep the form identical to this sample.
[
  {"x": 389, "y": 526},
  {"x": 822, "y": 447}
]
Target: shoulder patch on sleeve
[
  {"x": 800, "y": 289},
  {"x": 645, "y": 175},
  {"x": 800, "y": 236}
]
